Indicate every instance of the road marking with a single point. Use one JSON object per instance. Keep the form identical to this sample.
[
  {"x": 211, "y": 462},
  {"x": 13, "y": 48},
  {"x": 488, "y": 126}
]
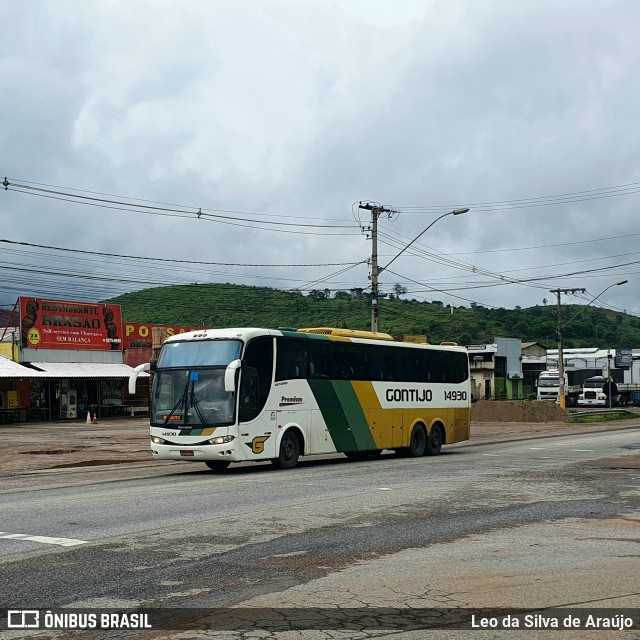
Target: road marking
[
  {"x": 537, "y": 448},
  {"x": 581, "y": 450},
  {"x": 64, "y": 542},
  {"x": 493, "y": 455}
]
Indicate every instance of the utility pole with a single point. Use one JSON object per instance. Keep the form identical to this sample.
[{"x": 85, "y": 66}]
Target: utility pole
[
  {"x": 559, "y": 338},
  {"x": 376, "y": 212}
]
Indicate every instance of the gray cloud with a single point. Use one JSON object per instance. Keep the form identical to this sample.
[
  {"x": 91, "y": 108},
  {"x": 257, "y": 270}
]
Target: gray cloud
[{"x": 291, "y": 112}]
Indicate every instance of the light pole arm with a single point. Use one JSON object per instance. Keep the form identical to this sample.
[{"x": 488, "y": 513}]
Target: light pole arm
[
  {"x": 615, "y": 284},
  {"x": 456, "y": 212}
]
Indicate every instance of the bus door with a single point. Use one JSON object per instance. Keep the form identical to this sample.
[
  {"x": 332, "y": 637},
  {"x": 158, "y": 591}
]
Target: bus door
[{"x": 257, "y": 425}]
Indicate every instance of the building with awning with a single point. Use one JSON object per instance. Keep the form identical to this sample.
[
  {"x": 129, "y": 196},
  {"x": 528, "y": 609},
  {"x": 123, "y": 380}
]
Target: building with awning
[
  {"x": 82, "y": 370},
  {"x": 66, "y": 362},
  {"x": 11, "y": 369},
  {"x": 12, "y": 376}
]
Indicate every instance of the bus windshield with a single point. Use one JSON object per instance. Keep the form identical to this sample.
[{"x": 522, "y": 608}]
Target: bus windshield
[
  {"x": 188, "y": 387},
  {"x": 199, "y": 353},
  {"x": 193, "y": 397}
]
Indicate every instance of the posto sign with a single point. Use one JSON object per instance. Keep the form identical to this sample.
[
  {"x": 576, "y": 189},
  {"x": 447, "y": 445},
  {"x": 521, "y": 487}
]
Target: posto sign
[{"x": 140, "y": 336}]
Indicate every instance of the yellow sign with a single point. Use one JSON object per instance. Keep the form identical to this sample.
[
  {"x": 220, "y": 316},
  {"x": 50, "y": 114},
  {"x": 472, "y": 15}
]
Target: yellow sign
[{"x": 34, "y": 337}]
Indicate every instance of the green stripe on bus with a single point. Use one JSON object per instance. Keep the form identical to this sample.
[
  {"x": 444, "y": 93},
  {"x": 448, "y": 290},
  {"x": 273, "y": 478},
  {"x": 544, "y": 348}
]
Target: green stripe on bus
[
  {"x": 343, "y": 415},
  {"x": 303, "y": 336},
  {"x": 355, "y": 415},
  {"x": 334, "y": 415}
]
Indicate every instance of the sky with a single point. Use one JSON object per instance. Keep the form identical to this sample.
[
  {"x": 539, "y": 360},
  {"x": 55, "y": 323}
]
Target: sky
[{"x": 169, "y": 142}]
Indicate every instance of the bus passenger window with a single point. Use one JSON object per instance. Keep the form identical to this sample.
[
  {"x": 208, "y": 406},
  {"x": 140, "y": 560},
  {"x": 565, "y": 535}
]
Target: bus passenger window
[{"x": 301, "y": 368}]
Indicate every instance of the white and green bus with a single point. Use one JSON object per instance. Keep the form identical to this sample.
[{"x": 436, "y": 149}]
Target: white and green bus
[{"x": 237, "y": 395}]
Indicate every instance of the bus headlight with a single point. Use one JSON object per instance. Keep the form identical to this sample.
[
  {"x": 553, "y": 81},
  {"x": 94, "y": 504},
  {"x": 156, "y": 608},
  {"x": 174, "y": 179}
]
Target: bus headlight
[
  {"x": 221, "y": 440},
  {"x": 157, "y": 440}
]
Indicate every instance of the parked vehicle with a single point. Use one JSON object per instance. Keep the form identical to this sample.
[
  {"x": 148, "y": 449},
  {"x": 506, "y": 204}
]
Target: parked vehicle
[
  {"x": 549, "y": 386},
  {"x": 593, "y": 394}
]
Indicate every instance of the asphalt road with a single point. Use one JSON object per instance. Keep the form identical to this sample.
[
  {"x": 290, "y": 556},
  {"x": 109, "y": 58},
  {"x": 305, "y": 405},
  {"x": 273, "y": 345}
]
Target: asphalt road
[{"x": 544, "y": 522}]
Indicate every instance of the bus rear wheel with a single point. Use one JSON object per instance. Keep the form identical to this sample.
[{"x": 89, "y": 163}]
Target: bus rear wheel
[
  {"x": 289, "y": 452},
  {"x": 434, "y": 441},
  {"x": 216, "y": 465},
  {"x": 418, "y": 441}
]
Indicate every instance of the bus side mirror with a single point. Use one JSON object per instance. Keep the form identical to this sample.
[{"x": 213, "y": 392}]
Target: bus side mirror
[
  {"x": 230, "y": 375},
  {"x": 134, "y": 376}
]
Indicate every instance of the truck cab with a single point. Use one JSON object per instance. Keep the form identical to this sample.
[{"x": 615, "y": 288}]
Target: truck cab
[{"x": 593, "y": 394}]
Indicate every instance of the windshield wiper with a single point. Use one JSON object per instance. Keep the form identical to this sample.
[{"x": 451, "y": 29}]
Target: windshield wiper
[
  {"x": 195, "y": 404},
  {"x": 182, "y": 400}
]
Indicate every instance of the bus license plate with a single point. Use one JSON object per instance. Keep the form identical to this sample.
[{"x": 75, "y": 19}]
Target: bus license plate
[{"x": 186, "y": 453}]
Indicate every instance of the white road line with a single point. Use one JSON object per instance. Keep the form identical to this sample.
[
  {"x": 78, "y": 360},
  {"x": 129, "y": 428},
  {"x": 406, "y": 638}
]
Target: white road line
[
  {"x": 537, "y": 448},
  {"x": 583, "y": 450},
  {"x": 64, "y": 542}
]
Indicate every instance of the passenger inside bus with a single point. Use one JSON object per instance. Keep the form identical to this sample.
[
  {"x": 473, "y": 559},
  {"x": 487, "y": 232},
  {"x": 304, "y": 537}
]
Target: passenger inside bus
[{"x": 301, "y": 368}]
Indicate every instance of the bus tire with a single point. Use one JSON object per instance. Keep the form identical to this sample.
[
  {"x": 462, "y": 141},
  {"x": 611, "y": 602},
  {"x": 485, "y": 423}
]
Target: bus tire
[
  {"x": 289, "y": 451},
  {"x": 418, "y": 442},
  {"x": 217, "y": 465},
  {"x": 435, "y": 440}
]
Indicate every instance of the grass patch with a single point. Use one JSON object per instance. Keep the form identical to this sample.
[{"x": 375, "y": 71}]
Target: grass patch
[{"x": 606, "y": 417}]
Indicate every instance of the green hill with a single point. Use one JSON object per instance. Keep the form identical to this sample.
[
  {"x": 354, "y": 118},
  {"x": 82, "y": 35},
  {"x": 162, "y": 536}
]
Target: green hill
[{"x": 227, "y": 305}]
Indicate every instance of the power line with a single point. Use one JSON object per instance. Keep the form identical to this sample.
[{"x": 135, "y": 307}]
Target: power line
[
  {"x": 173, "y": 260},
  {"x": 134, "y": 207},
  {"x": 631, "y": 188},
  {"x": 101, "y": 193}
]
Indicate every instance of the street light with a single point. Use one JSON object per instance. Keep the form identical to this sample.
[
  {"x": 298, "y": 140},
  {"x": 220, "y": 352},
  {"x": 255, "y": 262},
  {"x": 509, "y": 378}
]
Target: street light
[
  {"x": 561, "y": 328},
  {"x": 376, "y": 271}
]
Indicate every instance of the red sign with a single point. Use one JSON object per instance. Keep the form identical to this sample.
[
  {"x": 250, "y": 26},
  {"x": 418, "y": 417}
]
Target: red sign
[
  {"x": 58, "y": 324},
  {"x": 140, "y": 336}
]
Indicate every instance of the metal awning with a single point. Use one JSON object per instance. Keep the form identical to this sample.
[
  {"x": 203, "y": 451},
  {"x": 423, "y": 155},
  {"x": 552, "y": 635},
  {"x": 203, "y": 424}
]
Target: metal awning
[
  {"x": 11, "y": 369},
  {"x": 83, "y": 370}
]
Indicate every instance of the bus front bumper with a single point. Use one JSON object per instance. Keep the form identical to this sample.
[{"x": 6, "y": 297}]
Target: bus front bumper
[{"x": 221, "y": 452}]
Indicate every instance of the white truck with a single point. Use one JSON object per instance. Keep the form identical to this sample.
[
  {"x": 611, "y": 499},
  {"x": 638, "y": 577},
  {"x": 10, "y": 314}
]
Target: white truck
[
  {"x": 593, "y": 394},
  {"x": 549, "y": 387}
]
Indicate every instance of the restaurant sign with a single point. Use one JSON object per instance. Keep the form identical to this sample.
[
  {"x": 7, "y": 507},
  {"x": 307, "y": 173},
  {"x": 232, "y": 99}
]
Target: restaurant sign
[{"x": 58, "y": 324}]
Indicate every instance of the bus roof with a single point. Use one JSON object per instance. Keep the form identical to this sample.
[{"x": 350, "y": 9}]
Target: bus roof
[{"x": 321, "y": 333}]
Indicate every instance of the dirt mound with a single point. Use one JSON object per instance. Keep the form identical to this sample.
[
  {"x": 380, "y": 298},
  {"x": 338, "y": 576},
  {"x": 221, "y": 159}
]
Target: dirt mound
[{"x": 517, "y": 411}]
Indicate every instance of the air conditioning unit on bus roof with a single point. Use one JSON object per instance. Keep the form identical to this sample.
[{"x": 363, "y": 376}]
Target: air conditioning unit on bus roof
[{"x": 347, "y": 333}]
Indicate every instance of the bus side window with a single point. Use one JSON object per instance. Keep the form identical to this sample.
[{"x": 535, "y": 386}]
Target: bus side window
[{"x": 301, "y": 367}]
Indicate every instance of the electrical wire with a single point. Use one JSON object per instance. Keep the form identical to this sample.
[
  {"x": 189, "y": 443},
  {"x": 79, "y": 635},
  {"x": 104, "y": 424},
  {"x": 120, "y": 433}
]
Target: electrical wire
[
  {"x": 173, "y": 260},
  {"x": 134, "y": 207}
]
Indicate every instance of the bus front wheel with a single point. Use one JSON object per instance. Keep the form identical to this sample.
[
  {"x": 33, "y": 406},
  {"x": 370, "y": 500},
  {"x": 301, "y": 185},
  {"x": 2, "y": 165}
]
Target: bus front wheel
[
  {"x": 217, "y": 466},
  {"x": 289, "y": 452}
]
